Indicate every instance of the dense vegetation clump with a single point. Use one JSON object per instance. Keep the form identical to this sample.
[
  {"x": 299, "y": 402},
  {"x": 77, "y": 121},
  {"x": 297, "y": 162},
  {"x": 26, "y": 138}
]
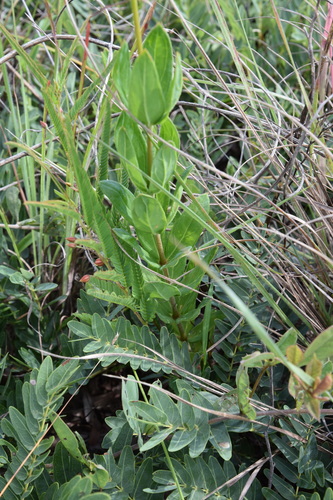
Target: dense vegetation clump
[{"x": 166, "y": 291}]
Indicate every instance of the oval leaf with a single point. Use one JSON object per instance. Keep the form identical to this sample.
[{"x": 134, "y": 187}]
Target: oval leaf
[{"x": 148, "y": 215}]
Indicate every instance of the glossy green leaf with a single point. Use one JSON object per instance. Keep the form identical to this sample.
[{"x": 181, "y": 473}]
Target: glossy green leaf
[
  {"x": 148, "y": 215},
  {"x": 185, "y": 231},
  {"x": 132, "y": 149},
  {"x": 163, "y": 167},
  {"x": 120, "y": 197},
  {"x": 169, "y": 132},
  {"x": 121, "y": 72},
  {"x": 159, "y": 47},
  {"x": 146, "y": 98}
]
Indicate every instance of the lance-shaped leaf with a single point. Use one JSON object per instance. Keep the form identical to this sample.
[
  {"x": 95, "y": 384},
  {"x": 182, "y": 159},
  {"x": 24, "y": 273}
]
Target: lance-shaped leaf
[
  {"x": 121, "y": 72},
  {"x": 132, "y": 149}
]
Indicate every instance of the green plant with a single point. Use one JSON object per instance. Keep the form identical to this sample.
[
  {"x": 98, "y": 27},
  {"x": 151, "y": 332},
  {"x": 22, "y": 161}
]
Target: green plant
[{"x": 190, "y": 273}]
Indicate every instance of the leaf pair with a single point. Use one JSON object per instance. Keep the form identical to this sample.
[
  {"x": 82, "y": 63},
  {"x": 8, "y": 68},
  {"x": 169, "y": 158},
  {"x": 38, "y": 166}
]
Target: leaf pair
[{"x": 150, "y": 89}]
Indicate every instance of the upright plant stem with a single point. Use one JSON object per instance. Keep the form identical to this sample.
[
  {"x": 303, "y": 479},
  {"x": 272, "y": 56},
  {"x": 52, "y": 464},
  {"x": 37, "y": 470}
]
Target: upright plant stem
[
  {"x": 137, "y": 27},
  {"x": 175, "y": 311}
]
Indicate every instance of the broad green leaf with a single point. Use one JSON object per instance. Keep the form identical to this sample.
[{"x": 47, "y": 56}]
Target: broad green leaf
[
  {"x": 149, "y": 413},
  {"x": 187, "y": 412},
  {"x": 287, "y": 339},
  {"x": 120, "y": 197},
  {"x": 163, "y": 167},
  {"x": 146, "y": 98},
  {"x": 156, "y": 439},
  {"x": 314, "y": 367},
  {"x": 68, "y": 439},
  {"x": 176, "y": 86},
  {"x": 221, "y": 441},
  {"x": 143, "y": 478},
  {"x": 32, "y": 410},
  {"x": 185, "y": 231},
  {"x": 161, "y": 400},
  {"x": 129, "y": 393},
  {"x": 328, "y": 494},
  {"x": 20, "y": 424},
  {"x": 322, "y": 346},
  {"x": 121, "y": 72},
  {"x": 81, "y": 489},
  {"x": 159, "y": 46},
  {"x": 295, "y": 355},
  {"x": 169, "y": 132},
  {"x": 199, "y": 443},
  {"x": 182, "y": 438},
  {"x": 64, "y": 465},
  {"x": 44, "y": 373},
  {"x": 60, "y": 377},
  {"x": 132, "y": 149},
  {"x": 160, "y": 290},
  {"x": 127, "y": 468},
  {"x": 148, "y": 215}
]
